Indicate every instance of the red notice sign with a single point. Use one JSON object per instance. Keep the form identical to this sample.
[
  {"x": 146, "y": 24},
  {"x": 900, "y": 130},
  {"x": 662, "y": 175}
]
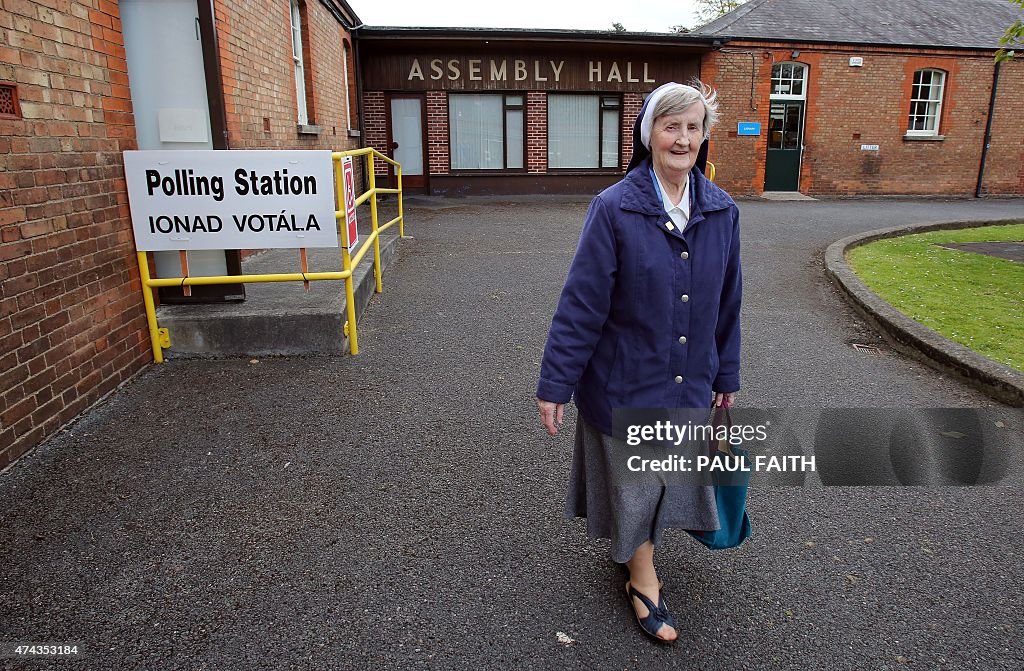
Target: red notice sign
[{"x": 348, "y": 178}]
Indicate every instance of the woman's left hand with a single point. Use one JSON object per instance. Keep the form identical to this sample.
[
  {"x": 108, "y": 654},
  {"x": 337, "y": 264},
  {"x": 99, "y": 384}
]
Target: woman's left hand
[
  {"x": 728, "y": 399},
  {"x": 550, "y": 415}
]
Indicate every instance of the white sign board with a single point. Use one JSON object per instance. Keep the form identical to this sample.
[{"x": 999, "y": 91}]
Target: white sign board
[
  {"x": 244, "y": 199},
  {"x": 182, "y": 125},
  {"x": 349, "y": 180},
  {"x": 869, "y": 147}
]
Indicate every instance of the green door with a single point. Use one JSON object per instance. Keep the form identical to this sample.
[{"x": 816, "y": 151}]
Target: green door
[{"x": 785, "y": 126}]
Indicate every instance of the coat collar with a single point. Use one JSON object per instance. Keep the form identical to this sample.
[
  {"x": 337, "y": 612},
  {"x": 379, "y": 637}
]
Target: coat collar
[{"x": 639, "y": 194}]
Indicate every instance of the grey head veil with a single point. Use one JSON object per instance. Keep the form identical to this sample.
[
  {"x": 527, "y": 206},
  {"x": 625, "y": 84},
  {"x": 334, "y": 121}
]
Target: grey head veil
[{"x": 640, "y": 150}]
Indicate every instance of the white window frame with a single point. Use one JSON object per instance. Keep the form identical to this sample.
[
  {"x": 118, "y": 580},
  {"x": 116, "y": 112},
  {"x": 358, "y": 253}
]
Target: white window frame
[
  {"x": 929, "y": 102},
  {"x": 793, "y": 78},
  {"x": 344, "y": 67},
  {"x": 512, "y": 101},
  {"x": 605, "y": 102},
  {"x": 300, "y": 72}
]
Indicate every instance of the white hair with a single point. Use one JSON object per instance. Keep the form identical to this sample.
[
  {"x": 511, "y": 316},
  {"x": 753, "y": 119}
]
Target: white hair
[{"x": 673, "y": 98}]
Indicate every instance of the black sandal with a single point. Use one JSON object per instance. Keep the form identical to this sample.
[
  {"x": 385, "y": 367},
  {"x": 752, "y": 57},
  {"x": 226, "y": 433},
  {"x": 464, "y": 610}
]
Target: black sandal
[{"x": 656, "y": 615}]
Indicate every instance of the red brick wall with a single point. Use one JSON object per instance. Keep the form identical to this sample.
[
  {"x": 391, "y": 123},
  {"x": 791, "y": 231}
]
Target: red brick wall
[
  {"x": 1004, "y": 166},
  {"x": 437, "y": 132},
  {"x": 536, "y": 131},
  {"x": 259, "y": 76},
  {"x": 375, "y": 127},
  {"x": 739, "y": 161},
  {"x": 72, "y": 325},
  {"x": 849, "y": 106},
  {"x": 631, "y": 104}
]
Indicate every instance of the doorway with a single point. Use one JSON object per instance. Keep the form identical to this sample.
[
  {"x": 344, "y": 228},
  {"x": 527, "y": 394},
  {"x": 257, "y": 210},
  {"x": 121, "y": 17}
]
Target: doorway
[
  {"x": 407, "y": 139},
  {"x": 172, "y": 111},
  {"x": 786, "y": 127}
]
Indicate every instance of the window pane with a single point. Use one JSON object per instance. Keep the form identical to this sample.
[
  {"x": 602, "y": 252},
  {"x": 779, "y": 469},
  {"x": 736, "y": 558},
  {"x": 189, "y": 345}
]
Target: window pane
[
  {"x": 787, "y": 71},
  {"x": 929, "y": 121},
  {"x": 408, "y": 133},
  {"x": 514, "y": 101},
  {"x": 610, "y": 138},
  {"x": 296, "y": 31},
  {"x": 572, "y": 131},
  {"x": 792, "y": 130},
  {"x": 775, "y": 127},
  {"x": 514, "y": 133},
  {"x": 475, "y": 130}
]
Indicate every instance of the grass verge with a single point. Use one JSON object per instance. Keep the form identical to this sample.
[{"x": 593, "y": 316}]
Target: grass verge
[{"x": 972, "y": 299}]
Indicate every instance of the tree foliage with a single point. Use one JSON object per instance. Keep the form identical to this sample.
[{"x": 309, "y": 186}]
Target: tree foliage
[
  {"x": 1013, "y": 38},
  {"x": 709, "y": 10}
]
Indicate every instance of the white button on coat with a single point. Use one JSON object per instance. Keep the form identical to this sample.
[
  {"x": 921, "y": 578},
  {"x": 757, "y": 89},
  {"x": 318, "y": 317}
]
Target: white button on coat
[
  {"x": 679, "y": 379},
  {"x": 684, "y": 298}
]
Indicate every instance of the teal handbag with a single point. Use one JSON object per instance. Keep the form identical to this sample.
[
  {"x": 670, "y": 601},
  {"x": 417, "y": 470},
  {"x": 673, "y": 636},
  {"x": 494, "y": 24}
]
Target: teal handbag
[{"x": 730, "y": 493}]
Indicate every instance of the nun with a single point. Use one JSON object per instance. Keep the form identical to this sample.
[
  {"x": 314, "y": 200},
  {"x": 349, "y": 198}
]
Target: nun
[{"x": 649, "y": 317}]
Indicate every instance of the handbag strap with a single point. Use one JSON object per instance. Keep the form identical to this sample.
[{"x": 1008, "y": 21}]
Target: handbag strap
[{"x": 720, "y": 416}]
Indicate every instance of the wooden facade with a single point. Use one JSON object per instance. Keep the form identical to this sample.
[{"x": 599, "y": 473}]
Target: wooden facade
[{"x": 615, "y": 71}]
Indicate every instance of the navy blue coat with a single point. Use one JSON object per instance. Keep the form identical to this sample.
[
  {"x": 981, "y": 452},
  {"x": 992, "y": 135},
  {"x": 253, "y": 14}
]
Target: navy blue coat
[{"x": 649, "y": 317}]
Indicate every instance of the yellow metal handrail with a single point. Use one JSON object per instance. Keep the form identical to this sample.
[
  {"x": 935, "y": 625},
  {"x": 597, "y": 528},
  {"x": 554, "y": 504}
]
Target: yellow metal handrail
[{"x": 159, "y": 338}]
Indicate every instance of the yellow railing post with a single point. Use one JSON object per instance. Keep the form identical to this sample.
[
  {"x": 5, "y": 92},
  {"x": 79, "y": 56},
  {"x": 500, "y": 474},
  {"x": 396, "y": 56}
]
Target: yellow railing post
[
  {"x": 401, "y": 217},
  {"x": 346, "y": 263},
  {"x": 373, "y": 224},
  {"x": 147, "y": 298}
]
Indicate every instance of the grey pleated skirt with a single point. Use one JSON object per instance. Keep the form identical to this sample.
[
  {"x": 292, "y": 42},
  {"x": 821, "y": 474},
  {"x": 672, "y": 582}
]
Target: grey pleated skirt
[{"x": 627, "y": 511}]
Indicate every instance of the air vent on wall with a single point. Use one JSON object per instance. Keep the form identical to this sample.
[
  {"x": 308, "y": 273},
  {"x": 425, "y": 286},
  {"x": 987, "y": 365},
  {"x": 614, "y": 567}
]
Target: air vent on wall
[{"x": 9, "y": 108}]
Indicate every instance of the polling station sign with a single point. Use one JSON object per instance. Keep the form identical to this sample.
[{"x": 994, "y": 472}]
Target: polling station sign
[{"x": 244, "y": 199}]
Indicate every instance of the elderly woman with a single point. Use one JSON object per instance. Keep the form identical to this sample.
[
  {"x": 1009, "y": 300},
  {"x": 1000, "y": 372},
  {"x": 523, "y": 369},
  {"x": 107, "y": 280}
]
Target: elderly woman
[{"x": 649, "y": 318}]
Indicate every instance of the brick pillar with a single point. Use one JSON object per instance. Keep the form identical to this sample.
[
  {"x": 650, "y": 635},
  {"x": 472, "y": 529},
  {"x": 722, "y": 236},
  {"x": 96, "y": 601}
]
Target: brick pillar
[
  {"x": 375, "y": 126},
  {"x": 536, "y": 131},
  {"x": 631, "y": 104},
  {"x": 437, "y": 132}
]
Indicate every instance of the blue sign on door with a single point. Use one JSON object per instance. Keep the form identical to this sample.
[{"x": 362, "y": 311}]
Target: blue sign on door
[{"x": 748, "y": 128}]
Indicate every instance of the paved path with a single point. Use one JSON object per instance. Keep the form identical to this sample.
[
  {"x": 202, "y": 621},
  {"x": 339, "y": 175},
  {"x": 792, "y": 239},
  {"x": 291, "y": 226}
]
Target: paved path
[
  {"x": 1011, "y": 251},
  {"x": 401, "y": 509}
]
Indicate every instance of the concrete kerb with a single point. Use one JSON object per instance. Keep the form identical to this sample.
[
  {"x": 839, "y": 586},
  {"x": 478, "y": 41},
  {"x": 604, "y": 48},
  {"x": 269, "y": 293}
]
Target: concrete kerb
[{"x": 911, "y": 338}]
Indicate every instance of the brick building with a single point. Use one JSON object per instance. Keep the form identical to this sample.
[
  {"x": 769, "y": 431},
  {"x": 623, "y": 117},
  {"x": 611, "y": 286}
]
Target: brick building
[
  {"x": 468, "y": 110},
  {"x": 847, "y": 97},
  {"x": 867, "y": 97},
  {"x": 82, "y": 81}
]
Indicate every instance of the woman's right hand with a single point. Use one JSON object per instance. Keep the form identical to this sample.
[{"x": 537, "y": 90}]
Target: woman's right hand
[{"x": 550, "y": 415}]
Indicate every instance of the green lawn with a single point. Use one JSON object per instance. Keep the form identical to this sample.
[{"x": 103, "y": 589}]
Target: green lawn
[{"x": 975, "y": 300}]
